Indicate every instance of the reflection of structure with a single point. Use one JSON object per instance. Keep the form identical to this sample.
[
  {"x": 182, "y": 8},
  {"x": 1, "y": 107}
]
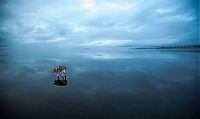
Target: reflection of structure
[
  {"x": 60, "y": 70},
  {"x": 60, "y": 82}
]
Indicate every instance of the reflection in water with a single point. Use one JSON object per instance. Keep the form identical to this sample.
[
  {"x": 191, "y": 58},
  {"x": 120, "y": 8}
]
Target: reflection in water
[
  {"x": 131, "y": 84},
  {"x": 60, "y": 82},
  {"x": 128, "y": 55}
]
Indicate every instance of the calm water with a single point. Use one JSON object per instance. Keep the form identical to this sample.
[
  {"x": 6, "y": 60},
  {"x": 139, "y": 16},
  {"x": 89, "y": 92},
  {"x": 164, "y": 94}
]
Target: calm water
[{"x": 106, "y": 84}]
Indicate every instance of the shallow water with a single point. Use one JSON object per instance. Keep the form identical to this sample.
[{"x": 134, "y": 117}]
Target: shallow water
[{"x": 108, "y": 84}]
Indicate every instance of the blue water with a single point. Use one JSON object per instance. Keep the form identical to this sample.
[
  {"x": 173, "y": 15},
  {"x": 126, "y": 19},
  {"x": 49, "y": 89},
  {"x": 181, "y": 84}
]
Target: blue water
[{"x": 114, "y": 83}]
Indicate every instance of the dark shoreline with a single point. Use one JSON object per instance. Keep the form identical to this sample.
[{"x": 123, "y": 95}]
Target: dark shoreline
[
  {"x": 175, "y": 50},
  {"x": 184, "y": 48}
]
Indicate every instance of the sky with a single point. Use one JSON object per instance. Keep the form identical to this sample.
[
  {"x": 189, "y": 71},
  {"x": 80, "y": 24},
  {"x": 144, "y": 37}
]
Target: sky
[{"x": 91, "y": 23}]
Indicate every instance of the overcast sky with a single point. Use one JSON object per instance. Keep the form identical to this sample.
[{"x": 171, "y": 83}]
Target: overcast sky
[{"x": 100, "y": 22}]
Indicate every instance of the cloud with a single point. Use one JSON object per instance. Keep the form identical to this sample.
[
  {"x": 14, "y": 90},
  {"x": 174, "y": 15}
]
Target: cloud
[
  {"x": 181, "y": 17},
  {"x": 107, "y": 43},
  {"x": 95, "y": 8},
  {"x": 30, "y": 31},
  {"x": 100, "y": 22}
]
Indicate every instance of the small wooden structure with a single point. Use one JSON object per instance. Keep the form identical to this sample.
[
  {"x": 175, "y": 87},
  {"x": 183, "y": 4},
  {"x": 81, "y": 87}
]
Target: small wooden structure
[{"x": 60, "y": 71}]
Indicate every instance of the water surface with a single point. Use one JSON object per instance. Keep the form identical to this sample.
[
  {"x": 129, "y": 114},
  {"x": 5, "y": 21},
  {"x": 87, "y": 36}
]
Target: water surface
[{"x": 106, "y": 84}]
